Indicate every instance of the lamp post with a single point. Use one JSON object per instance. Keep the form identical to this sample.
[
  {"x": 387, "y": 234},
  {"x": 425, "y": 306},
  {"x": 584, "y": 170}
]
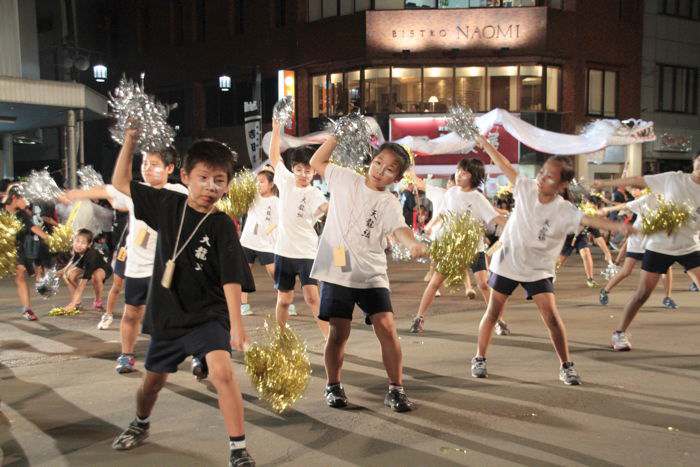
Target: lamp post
[
  {"x": 99, "y": 72},
  {"x": 225, "y": 83}
]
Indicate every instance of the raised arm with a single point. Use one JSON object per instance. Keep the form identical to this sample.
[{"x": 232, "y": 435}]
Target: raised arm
[
  {"x": 405, "y": 236},
  {"x": 275, "y": 141},
  {"x": 322, "y": 156},
  {"x": 498, "y": 159},
  {"x": 627, "y": 181},
  {"x": 121, "y": 178},
  {"x": 98, "y": 192},
  {"x": 605, "y": 224}
]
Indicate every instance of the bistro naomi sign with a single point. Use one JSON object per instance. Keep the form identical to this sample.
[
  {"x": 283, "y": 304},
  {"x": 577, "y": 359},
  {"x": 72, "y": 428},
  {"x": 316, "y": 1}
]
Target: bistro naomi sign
[{"x": 420, "y": 31}]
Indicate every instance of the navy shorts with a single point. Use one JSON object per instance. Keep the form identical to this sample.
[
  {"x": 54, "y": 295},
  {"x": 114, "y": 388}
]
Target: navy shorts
[
  {"x": 287, "y": 269},
  {"x": 634, "y": 256},
  {"x": 659, "y": 262},
  {"x": 595, "y": 232},
  {"x": 580, "y": 243},
  {"x": 119, "y": 268},
  {"x": 479, "y": 264},
  {"x": 164, "y": 355},
  {"x": 263, "y": 257},
  {"x": 136, "y": 290},
  {"x": 338, "y": 301},
  {"x": 507, "y": 286}
]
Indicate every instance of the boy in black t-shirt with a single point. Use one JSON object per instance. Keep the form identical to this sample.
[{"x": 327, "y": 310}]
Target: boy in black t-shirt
[
  {"x": 199, "y": 272},
  {"x": 86, "y": 265},
  {"x": 17, "y": 205}
]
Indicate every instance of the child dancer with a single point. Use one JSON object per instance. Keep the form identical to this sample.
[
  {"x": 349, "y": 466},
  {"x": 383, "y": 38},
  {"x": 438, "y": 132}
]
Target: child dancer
[
  {"x": 579, "y": 242},
  {"x": 86, "y": 265},
  {"x": 460, "y": 199},
  {"x": 17, "y": 205},
  {"x": 141, "y": 240},
  {"x": 351, "y": 262},
  {"x": 533, "y": 237},
  {"x": 260, "y": 229},
  {"x": 634, "y": 251},
  {"x": 663, "y": 250},
  {"x": 194, "y": 304},
  {"x": 300, "y": 204}
]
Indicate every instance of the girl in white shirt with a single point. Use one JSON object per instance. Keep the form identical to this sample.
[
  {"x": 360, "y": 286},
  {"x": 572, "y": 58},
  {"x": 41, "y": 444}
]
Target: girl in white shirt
[
  {"x": 531, "y": 241},
  {"x": 460, "y": 199}
]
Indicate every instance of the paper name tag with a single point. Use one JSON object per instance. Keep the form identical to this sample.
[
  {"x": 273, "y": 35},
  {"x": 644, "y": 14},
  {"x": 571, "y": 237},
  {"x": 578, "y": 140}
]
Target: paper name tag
[
  {"x": 167, "y": 278},
  {"x": 270, "y": 228},
  {"x": 339, "y": 256},
  {"x": 121, "y": 255},
  {"x": 142, "y": 237}
]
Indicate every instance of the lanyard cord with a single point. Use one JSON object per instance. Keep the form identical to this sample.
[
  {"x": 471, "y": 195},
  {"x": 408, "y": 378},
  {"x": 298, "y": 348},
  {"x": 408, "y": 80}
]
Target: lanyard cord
[{"x": 176, "y": 253}]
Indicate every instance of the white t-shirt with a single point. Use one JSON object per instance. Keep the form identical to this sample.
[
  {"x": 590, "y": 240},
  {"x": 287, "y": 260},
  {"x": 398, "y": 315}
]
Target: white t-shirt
[
  {"x": 260, "y": 229},
  {"x": 298, "y": 209},
  {"x": 359, "y": 220},
  {"x": 677, "y": 187},
  {"x": 473, "y": 202},
  {"x": 534, "y": 234},
  {"x": 636, "y": 243},
  {"x": 139, "y": 257},
  {"x": 436, "y": 195}
]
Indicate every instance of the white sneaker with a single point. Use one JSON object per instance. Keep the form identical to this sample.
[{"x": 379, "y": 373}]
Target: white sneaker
[
  {"x": 246, "y": 310},
  {"x": 502, "y": 328},
  {"x": 620, "y": 342},
  {"x": 293, "y": 310},
  {"x": 471, "y": 294},
  {"x": 105, "y": 321}
]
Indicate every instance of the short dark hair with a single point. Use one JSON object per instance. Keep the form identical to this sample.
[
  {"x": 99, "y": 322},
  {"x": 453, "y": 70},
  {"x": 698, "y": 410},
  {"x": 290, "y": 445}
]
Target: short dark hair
[
  {"x": 452, "y": 177},
  {"x": 168, "y": 155},
  {"x": 85, "y": 233},
  {"x": 5, "y": 184},
  {"x": 299, "y": 155},
  {"x": 476, "y": 168},
  {"x": 14, "y": 191},
  {"x": 567, "y": 172},
  {"x": 401, "y": 154},
  {"x": 212, "y": 154}
]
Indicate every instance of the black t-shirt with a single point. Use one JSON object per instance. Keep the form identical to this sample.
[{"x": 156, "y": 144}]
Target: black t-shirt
[
  {"x": 89, "y": 262},
  {"x": 25, "y": 232},
  {"x": 212, "y": 258}
]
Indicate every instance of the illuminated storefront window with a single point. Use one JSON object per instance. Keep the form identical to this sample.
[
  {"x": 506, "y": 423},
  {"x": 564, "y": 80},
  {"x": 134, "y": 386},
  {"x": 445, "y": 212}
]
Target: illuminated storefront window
[
  {"x": 352, "y": 80},
  {"x": 377, "y": 91},
  {"x": 406, "y": 90},
  {"x": 336, "y": 93},
  {"x": 470, "y": 88},
  {"x": 318, "y": 96},
  {"x": 438, "y": 86},
  {"x": 530, "y": 78},
  {"x": 503, "y": 87}
]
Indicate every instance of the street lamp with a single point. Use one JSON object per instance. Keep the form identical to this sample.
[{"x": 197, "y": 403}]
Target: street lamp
[
  {"x": 99, "y": 72},
  {"x": 225, "y": 83}
]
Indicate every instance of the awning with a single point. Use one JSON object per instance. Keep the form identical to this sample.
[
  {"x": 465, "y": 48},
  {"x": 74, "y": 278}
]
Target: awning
[{"x": 27, "y": 104}]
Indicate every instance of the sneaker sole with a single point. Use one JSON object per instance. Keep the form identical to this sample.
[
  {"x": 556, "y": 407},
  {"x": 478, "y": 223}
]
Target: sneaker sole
[
  {"x": 621, "y": 349},
  {"x": 474, "y": 375},
  {"x": 571, "y": 383},
  {"x": 398, "y": 409},
  {"x": 135, "y": 445},
  {"x": 123, "y": 370},
  {"x": 337, "y": 405}
]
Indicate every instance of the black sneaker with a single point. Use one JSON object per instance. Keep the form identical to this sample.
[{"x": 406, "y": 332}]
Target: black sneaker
[
  {"x": 240, "y": 458},
  {"x": 398, "y": 401},
  {"x": 199, "y": 369},
  {"x": 335, "y": 396},
  {"x": 603, "y": 297},
  {"x": 133, "y": 436}
]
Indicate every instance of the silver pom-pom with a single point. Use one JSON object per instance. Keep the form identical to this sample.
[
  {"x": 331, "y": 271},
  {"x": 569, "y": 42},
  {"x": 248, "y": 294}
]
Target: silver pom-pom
[
  {"x": 283, "y": 111},
  {"x": 462, "y": 121},
  {"x": 89, "y": 177},
  {"x": 401, "y": 254},
  {"x": 41, "y": 187},
  {"x": 133, "y": 108},
  {"x": 610, "y": 271},
  {"x": 47, "y": 286},
  {"x": 354, "y": 135}
]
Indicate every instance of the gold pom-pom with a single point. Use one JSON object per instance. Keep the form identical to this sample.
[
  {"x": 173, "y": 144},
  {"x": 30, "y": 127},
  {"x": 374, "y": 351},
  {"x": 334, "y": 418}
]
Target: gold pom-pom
[
  {"x": 61, "y": 239},
  {"x": 60, "y": 311},
  {"x": 667, "y": 217},
  {"x": 9, "y": 227},
  {"x": 589, "y": 209},
  {"x": 241, "y": 194},
  {"x": 457, "y": 246},
  {"x": 505, "y": 191},
  {"x": 279, "y": 367}
]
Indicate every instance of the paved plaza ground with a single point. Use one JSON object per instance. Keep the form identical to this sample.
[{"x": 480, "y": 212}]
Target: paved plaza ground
[{"x": 61, "y": 402}]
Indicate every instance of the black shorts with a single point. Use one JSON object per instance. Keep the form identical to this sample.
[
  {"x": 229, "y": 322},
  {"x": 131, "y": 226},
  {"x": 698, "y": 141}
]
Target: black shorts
[
  {"x": 119, "y": 268},
  {"x": 507, "y": 286},
  {"x": 580, "y": 243},
  {"x": 28, "y": 263},
  {"x": 595, "y": 232},
  {"x": 339, "y": 302},
  {"x": 164, "y": 355},
  {"x": 263, "y": 257},
  {"x": 635, "y": 256},
  {"x": 136, "y": 290},
  {"x": 479, "y": 264},
  {"x": 659, "y": 262},
  {"x": 287, "y": 269}
]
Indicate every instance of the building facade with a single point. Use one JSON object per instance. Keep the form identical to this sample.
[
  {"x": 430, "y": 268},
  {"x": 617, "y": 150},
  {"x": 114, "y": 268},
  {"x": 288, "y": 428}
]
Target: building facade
[
  {"x": 556, "y": 63},
  {"x": 671, "y": 59}
]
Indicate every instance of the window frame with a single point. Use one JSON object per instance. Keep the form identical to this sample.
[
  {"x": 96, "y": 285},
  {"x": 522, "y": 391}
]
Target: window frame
[
  {"x": 604, "y": 71},
  {"x": 691, "y": 93},
  {"x": 693, "y": 13}
]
